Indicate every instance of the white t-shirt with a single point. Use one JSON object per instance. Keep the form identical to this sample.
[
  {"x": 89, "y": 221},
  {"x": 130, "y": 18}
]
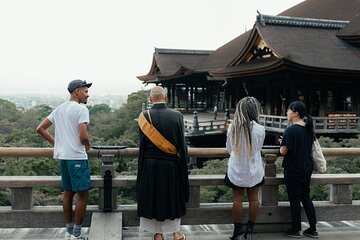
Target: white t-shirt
[
  {"x": 241, "y": 171},
  {"x": 66, "y": 119}
]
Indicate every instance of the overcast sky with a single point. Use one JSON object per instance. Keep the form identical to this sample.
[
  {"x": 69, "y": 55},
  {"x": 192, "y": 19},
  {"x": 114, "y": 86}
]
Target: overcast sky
[{"x": 46, "y": 43}]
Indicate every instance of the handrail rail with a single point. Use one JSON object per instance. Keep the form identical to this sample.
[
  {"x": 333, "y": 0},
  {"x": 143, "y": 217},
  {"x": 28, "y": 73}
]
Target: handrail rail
[{"x": 133, "y": 152}]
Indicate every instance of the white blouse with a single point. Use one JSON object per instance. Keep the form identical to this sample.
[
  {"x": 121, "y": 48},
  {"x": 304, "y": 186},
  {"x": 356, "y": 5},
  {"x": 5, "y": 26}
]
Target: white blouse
[{"x": 241, "y": 171}]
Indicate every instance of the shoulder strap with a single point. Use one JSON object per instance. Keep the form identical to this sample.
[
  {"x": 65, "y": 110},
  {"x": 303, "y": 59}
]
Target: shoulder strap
[{"x": 155, "y": 136}]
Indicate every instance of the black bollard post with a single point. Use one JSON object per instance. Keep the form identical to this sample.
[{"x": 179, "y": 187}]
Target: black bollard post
[
  {"x": 107, "y": 191},
  {"x": 108, "y": 194}
]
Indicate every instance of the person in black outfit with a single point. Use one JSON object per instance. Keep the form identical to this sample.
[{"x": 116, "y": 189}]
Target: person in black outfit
[
  {"x": 296, "y": 146},
  {"x": 162, "y": 178}
]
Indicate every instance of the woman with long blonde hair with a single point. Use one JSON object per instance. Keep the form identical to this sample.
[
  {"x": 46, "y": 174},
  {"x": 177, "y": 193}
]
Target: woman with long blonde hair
[{"x": 245, "y": 138}]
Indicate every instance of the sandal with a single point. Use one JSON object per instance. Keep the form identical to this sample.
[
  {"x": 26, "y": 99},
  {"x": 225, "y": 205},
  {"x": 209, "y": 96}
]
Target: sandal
[
  {"x": 183, "y": 237},
  {"x": 157, "y": 234}
]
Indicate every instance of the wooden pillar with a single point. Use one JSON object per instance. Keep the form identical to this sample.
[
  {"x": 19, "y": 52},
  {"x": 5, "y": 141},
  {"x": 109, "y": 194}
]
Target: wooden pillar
[
  {"x": 194, "y": 200},
  {"x": 187, "y": 96},
  {"x": 356, "y": 104},
  {"x": 293, "y": 94},
  {"x": 268, "y": 99},
  {"x": 227, "y": 99},
  {"x": 173, "y": 92},
  {"x": 323, "y": 102},
  {"x": 21, "y": 198},
  {"x": 269, "y": 193},
  {"x": 169, "y": 94},
  {"x": 209, "y": 92},
  {"x": 341, "y": 193},
  {"x": 196, "y": 97},
  {"x": 203, "y": 97},
  {"x": 275, "y": 101},
  {"x": 236, "y": 95}
]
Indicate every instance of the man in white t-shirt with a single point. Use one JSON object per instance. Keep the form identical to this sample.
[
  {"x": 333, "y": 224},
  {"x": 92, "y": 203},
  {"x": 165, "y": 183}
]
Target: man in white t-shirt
[{"x": 71, "y": 143}]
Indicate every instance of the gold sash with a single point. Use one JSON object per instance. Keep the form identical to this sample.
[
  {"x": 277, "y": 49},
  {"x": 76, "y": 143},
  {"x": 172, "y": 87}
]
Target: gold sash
[{"x": 150, "y": 131}]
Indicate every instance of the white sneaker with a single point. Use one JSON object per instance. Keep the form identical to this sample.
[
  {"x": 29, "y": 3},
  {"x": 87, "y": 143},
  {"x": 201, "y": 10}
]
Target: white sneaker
[
  {"x": 67, "y": 236},
  {"x": 83, "y": 236}
]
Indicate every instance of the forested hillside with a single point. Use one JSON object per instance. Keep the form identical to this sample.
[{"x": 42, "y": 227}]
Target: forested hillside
[
  {"x": 107, "y": 127},
  {"x": 17, "y": 129}
]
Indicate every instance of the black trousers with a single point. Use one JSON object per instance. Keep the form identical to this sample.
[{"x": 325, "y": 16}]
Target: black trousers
[{"x": 298, "y": 190}]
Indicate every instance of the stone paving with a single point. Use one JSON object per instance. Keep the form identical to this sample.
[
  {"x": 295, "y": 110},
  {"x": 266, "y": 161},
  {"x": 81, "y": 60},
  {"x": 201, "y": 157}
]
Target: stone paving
[{"x": 344, "y": 230}]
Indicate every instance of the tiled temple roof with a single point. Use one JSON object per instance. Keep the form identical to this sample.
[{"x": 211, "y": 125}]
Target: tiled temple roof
[{"x": 300, "y": 22}]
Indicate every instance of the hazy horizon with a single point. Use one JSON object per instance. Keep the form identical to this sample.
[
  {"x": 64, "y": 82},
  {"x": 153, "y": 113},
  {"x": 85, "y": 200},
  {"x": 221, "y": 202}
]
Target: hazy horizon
[{"x": 46, "y": 44}]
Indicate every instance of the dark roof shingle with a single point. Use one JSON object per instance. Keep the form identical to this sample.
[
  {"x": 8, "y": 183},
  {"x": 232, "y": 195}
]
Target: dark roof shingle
[
  {"x": 325, "y": 9},
  {"x": 169, "y": 63}
]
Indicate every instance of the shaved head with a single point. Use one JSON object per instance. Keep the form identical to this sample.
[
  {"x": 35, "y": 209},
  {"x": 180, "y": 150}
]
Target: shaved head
[{"x": 157, "y": 94}]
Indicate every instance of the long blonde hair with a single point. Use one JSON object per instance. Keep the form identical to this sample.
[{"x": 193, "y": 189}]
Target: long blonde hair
[{"x": 247, "y": 110}]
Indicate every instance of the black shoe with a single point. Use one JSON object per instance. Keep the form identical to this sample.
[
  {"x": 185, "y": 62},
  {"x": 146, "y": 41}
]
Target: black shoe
[
  {"x": 248, "y": 233},
  {"x": 292, "y": 233},
  {"x": 237, "y": 236},
  {"x": 311, "y": 233}
]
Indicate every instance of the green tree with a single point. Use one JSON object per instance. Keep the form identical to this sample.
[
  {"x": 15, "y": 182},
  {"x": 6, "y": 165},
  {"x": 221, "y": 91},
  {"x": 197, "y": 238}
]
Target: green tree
[
  {"x": 8, "y": 111},
  {"x": 119, "y": 127},
  {"x": 17, "y": 129},
  {"x": 211, "y": 194},
  {"x": 99, "y": 109}
]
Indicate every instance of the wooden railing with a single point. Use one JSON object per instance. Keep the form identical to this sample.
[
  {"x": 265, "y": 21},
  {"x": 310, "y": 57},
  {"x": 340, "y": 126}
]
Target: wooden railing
[
  {"x": 272, "y": 217},
  {"x": 205, "y": 127},
  {"x": 322, "y": 125},
  {"x": 202, "y": 127},
  {"x": 276, "y": 124}
]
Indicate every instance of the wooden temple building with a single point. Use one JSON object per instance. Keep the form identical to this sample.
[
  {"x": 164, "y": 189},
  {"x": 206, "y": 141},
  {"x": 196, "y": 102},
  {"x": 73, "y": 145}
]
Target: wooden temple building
[
  {"x": 188, "y": 86},
  {"x": 309, "y": 52}
]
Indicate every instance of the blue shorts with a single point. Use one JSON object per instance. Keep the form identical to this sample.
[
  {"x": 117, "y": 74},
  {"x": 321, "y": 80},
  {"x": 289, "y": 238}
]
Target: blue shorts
[{"x": 75, "y": 175}]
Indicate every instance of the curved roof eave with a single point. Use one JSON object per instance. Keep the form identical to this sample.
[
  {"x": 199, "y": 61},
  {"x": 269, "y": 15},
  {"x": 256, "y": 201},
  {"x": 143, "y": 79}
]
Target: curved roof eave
[
  {"x": 181, "y": 72},
  {"x": 317, "y": 70},
  {"x": 276, "y": 65},
  {"x": 249, "y": 69}
]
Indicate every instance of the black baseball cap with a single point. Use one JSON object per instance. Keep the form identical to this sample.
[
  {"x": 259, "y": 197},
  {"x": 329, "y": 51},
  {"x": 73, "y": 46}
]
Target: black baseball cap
[{"x": 74, "y": 84}]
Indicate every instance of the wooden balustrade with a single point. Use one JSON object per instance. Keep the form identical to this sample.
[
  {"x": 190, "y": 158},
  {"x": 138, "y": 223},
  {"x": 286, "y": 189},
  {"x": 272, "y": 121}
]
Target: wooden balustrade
[
  {"x": 322, "y": 125},
  {"x": 196, "y": 127},
  {"x": 203, "y": 127},
  {"x": 277, "y": 124},
  {"x": 273, "y": 214}
]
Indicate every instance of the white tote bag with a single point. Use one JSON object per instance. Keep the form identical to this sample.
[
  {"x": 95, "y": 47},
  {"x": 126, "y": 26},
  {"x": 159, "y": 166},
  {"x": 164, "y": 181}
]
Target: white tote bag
[{"x": 318, "y": 157}]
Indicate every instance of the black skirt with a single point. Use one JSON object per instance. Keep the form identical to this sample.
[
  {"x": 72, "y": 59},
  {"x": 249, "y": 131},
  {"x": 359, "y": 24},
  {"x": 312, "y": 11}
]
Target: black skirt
[{"x": 233, "y": 186}]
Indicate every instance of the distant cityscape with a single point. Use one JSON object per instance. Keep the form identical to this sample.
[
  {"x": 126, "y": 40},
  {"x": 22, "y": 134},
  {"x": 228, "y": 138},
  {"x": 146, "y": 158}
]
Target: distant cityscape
[{"x": 27, "y": 101}]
